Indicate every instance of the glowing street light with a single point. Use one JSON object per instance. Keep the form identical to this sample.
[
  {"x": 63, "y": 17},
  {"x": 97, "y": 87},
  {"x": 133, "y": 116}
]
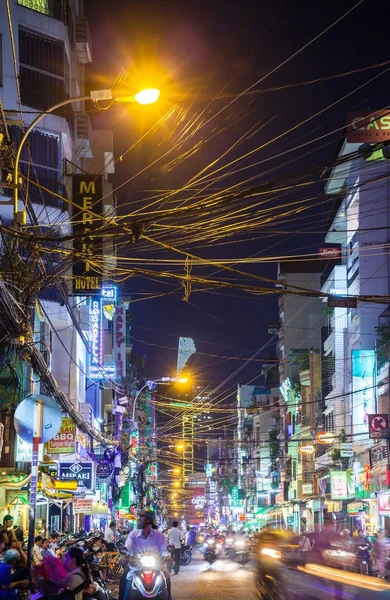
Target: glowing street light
[
  {"x": 151, "y": 384},
  {"x": 147, "y": 96}
]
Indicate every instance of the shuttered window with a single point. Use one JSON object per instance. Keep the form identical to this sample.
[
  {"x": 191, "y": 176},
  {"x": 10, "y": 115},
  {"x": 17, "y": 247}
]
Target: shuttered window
[{"x": 42, "y": 69}]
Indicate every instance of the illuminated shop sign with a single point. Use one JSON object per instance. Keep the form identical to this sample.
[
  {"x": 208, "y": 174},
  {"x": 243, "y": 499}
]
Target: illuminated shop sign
[
  {"x": 87, "y": 193},
  {"x": 199, "y": 502},
  {"x": 97, "y": 368},
  {"x": 306, "y": 449},
  {"x": 285, "y": 387}
]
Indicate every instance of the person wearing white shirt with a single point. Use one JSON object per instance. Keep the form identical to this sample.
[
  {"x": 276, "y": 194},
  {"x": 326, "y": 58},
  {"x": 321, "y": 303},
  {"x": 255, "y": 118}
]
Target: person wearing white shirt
[
  {"x": 37, "y": 554},
  {"x": 110, "y": 537},
  {"x": 144, "y": 539},
  {"x": 174, "y": 539}
]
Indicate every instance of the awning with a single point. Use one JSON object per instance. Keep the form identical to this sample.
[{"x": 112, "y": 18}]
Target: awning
[
  {"x": 15, "y": 481},
  {"x": 328, "y": 410}
]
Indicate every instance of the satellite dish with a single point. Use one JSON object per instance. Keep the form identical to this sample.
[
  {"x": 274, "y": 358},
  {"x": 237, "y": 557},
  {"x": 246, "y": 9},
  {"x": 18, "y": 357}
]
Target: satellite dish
[{"x": 24, "y": 418}]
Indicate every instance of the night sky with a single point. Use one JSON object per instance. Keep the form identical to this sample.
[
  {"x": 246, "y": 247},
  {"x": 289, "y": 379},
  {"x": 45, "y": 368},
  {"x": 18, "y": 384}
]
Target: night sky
[{"x": 204, "y": 55}]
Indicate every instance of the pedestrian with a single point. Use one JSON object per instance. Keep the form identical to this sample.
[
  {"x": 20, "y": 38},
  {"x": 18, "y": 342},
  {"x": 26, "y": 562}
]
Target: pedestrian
[
  {"x": 174, "y": 540},
  {"x": 110, "y": 537},
  {"x": 54, "y": 542},
  {"x": 8, "y": 529},
  {"x": 37, "y": 554},
  {"x": 304, "y": 543},
  {"x": 46, "y": 551},
  {"x": 8, "y": 586},
  {"x": 191, "y": 537}
]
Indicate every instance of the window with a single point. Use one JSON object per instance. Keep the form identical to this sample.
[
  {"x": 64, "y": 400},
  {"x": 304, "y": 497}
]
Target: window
[
  {"x": 45, "y": 149},
  {"x": 51, "y": 8},
  {"x": 42, "y": 69},
  {"x": 329, "y": 422}
]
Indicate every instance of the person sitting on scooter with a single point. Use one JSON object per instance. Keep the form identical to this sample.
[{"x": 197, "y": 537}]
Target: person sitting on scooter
[{"x": 145, "y": 539}]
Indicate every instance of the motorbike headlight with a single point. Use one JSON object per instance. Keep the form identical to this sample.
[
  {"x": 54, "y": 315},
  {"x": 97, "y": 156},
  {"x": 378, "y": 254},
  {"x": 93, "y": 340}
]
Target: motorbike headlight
[
  {"x": 219, "y": 546},
  {"x": 229, "y": 541},
  {"x": 240, "y": 544},
  {"x": 271, "y": 553},
  {"x": 210, "y": 542},
  {"x": 148, "y": 561}
]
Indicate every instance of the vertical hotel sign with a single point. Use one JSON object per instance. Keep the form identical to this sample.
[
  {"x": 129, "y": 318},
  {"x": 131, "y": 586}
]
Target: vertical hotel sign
[{"x": 87, "y": 202}]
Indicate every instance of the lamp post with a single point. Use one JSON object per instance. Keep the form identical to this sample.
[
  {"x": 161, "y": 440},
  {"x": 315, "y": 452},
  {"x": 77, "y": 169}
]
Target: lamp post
[
  {"x": 151, "y": 385},
  {"x": 147, "y": 96}
]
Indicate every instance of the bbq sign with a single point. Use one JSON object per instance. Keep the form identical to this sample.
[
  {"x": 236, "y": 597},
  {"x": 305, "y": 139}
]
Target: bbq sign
[
  {"x": 87, "y": 207},
  {"x": 368, "y": 126},
  {"x": 81, "y": 471}
]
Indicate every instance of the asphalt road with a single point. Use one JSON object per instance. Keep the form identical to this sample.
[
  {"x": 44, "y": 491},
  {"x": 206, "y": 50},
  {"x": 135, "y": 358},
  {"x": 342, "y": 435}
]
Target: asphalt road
[{"x": 224, "y": 581}]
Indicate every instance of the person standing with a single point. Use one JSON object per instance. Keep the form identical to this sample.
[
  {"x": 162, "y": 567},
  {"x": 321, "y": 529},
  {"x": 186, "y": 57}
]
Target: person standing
[
  {"x": 191, "y": 537},
  {"x": 37, "y": 554},
  {"x": 8, "y": 529},
  {"x": 110, "y": 537},
  {"x": 174, "y": 540}
]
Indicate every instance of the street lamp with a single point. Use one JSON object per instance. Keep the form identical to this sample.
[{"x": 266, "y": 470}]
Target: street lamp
[
  {"x": 151, "y": 384},
  {"x": 147, "y": 96}
]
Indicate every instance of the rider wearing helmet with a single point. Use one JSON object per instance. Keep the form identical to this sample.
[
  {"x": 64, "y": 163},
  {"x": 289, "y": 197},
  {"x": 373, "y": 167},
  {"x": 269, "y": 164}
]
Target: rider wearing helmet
[{"x": 145, "y": 539}]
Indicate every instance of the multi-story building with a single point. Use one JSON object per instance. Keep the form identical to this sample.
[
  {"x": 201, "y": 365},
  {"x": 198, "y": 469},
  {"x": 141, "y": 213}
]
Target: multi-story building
[
  {"x": 45, "y": 47},
  {"x": 301, "y": 318},
  {"x": 257, "y": 452},
  {"x": 357, "y": 338}
]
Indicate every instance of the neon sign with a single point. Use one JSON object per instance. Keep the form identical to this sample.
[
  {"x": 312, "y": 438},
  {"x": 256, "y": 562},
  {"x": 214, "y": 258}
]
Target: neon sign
[
  {"x": 97, "y": 369},
  {"x": 199, "y": 502}
]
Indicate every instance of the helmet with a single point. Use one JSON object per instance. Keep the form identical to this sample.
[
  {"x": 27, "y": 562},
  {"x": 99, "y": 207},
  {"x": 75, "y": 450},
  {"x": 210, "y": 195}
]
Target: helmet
[{"x": 148, "y": 517}]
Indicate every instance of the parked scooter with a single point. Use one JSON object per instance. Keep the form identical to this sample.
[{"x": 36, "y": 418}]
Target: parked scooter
[{"x": 185, "y": 555}]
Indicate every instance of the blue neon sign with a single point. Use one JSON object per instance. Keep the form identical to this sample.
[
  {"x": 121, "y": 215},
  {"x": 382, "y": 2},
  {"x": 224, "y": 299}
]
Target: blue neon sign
[{"x": 97, "y": 369}]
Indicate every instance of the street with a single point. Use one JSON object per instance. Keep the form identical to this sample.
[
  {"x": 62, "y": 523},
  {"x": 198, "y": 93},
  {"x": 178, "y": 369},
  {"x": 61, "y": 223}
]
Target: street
[{"x": 225, "y": 581}]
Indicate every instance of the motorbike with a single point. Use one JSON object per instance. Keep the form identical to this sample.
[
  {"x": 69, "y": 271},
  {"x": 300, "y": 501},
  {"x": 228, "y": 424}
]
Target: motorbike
[
  {"x": 363, "y": 559},
  {"x": 211, "y": 550},
  {"x": 100, "y": 592},
  {"x": 147, "y": 579},
  {"x": 230, "y": 551},
  {"x": 185, "y": 555},
  {"x": 241, "y": 552}
]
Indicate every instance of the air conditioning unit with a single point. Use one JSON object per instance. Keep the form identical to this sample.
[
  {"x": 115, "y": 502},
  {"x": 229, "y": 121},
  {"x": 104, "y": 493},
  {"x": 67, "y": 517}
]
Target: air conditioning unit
[{"x": 83, "y": 40}]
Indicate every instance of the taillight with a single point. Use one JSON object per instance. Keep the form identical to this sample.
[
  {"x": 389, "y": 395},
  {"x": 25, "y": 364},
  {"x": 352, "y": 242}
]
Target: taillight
[{"x": 147, "y": 579}]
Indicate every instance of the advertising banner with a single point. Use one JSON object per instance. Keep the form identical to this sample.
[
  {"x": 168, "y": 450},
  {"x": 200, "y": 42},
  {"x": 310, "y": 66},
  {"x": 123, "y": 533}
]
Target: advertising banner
[
  {"x": 363, "y": 382},
  {"x": 64, "y": 441},
  {"x": 368, "y": 126},
  {"x": 87, "y": 192},
  {"x": 80, "y": 471},
  {"x": 341, "y": 485},
  {"x": 384, "y": 504},
  {"x": 82, "y": 505},
  {"x": 120, "y": 340},
  {"x": 23, "y": 450}
]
